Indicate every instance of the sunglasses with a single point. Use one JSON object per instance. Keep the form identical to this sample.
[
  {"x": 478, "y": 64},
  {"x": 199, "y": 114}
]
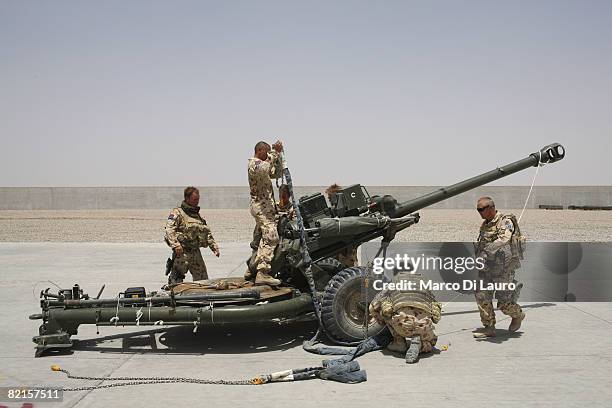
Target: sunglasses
[{"x": 481, "y": 209}]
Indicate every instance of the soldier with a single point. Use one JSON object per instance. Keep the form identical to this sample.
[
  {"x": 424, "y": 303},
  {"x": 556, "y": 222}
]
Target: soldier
[
  {"x": 500, "y": 244},
  {"x": 410, "y": 316},
  {"x": 347, "y": 256},
  {"x": 261, "y": 169},
  {"x": 331, "y": 193},
  {"x": 284, "y": 209},
  {"x": 186, "y": 232},
  {"x": 284, "y": 205}
]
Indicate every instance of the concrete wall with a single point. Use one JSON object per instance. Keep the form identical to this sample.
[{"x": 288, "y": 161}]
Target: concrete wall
[{"x": 98, "y": 198}]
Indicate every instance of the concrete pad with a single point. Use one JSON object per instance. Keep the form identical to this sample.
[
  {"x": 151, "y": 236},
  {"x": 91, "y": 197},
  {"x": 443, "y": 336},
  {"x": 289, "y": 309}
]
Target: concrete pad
[{"x": 562, "y": 356}]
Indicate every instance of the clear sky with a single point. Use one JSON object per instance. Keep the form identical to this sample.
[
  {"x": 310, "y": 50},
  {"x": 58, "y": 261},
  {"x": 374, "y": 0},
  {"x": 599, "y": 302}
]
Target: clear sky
[{"x": 111, "y": 93}]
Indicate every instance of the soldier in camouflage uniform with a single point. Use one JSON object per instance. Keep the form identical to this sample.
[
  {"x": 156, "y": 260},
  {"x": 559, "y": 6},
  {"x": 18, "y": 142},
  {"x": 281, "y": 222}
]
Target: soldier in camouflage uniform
[
  {"x": 500, "y": 244},
  {"x": 186, "y": 231},
  {"x": 261, "y": 169},
  {"x": 284, "y": 209},
  {"x": 410, "y": 316},
  {"x": 284, "y": 205}
]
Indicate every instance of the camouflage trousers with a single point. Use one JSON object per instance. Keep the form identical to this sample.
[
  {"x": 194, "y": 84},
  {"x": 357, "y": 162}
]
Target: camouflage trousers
[
  {"x": 408, "y": 322},
  {"x": 265, "y": 226},
  {"x": 191, "y": 261},
  {"x": 506, "y": 300}
]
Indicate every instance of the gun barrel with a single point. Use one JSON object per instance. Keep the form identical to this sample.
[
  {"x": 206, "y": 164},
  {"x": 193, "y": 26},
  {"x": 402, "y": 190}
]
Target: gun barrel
[{"x": 548, "y": 154}]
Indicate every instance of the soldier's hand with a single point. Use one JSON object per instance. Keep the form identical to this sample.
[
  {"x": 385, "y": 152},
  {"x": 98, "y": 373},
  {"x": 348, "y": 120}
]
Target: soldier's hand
[
  {"x": 216, "y": 252},
  {"x": 278, "y": 146},
  {"x": 179, "y": 250}
]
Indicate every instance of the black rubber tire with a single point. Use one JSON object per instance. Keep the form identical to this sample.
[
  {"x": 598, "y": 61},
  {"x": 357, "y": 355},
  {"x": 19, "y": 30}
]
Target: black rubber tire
[
  {"x": 331, "y": 265},
  {"x": 342, "y": 317},
  {"x": 323, "y": 271}
]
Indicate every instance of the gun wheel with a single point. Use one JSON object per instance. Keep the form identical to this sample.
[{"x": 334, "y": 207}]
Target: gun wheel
[
  {"x": 323, "y": 270},
  {"x": 345, "y": 305},
  {"x": 330, "y": 265}
]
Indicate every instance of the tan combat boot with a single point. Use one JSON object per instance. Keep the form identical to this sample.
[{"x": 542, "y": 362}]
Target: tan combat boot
[
  {"x": 265, "y": 279},
  {"x": 484, "y": 332},
  {"x": 515, "y": 324}
]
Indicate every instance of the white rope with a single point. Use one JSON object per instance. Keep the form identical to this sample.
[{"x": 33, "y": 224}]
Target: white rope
[
  {"x": 540, "y": 164},
  {"x": 150, "y": 303},
  {"x": 138, "y": 316},
  {"x": 115, "y": 319}
]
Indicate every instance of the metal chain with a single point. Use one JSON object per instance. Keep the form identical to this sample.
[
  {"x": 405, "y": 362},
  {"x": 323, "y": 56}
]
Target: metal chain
[{"x": 127, "y": 381}]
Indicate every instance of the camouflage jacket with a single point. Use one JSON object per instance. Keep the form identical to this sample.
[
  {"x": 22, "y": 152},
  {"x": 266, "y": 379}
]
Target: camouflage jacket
[
  {"x": 260, "y": 174},
  {"x": 494, "y": 239},
  {"x": 188, "y": 230}
]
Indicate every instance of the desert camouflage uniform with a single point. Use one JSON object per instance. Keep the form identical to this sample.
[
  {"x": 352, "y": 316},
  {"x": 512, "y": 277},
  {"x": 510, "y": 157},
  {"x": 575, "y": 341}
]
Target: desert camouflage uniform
[
  {"x": 408, "y": 314},
  {"x": 494, "y": 244},
  {"x": 263, "y": 207},
  {"x": 282, "y": 211},
  {"x": 185, "y": 227}
]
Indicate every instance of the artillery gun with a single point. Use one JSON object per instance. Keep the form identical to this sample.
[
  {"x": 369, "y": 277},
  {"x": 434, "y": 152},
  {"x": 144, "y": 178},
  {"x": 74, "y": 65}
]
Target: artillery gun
[{"x": 315, "y": 284}]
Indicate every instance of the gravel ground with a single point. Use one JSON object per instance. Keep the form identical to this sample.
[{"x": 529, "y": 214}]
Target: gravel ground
[{"x": 237, "y": 225}]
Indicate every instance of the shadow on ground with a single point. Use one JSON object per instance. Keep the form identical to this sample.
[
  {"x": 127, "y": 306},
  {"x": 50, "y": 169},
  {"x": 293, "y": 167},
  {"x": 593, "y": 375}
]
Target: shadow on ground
[
  {"x": 228, "y": 339},
  {"x": 475, "y": 310},
  {"x": 501, "y": 336}
]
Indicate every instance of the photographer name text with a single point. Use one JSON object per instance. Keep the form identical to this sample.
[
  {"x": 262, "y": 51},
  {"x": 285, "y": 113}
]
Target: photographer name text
[{"x": 465, "y": 285}]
